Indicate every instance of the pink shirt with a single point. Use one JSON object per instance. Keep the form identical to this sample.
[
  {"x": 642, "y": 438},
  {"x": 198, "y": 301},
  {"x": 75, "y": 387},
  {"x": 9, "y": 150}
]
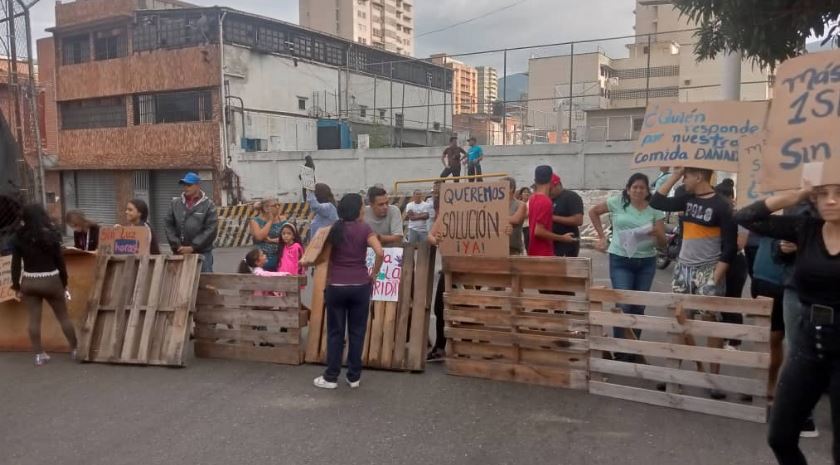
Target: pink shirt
[
  {"x": 261, "y": 272},
  {"x": 290, "y": 261}
]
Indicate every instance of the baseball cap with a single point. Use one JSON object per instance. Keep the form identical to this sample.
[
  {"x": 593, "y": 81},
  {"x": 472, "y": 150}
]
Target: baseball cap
[
  {"x": 555, "y": 180},
  {"x": 190, "y": 179},
  {"x": 543, "y": 174}
]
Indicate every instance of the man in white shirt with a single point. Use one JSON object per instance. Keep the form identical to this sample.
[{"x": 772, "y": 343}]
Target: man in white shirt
[{"x": 418, "y": 213}]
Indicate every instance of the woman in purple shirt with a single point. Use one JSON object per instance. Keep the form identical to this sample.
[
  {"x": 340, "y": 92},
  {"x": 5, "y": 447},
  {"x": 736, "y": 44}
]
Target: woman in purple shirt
[{"x": 349, "y": 287}]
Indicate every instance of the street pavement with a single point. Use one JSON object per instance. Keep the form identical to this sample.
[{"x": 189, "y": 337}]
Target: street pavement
[{"x": 227, "y": 412}]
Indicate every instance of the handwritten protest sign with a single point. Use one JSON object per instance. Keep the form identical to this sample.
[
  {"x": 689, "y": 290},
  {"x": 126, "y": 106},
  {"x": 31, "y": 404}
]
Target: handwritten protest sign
[
  {"x": 307, "y": 178},
  {"x": 6, "y": 292},
  {"x": 803, "y": 120},
  {"x": 473, "y": 217},
  {"x": 386, "y": 288},
  {"x": 697, "y": 135},
  {"x": 749, "y": 170},
  {"x": 125, "y": 240}
]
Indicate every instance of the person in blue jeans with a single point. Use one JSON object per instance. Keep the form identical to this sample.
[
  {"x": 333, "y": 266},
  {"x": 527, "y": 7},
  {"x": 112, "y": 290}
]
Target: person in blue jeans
[
  {"x": 474, "y": 157},
  {"x": 348, "y": 290},
  {"x": 637, "y": 229}
]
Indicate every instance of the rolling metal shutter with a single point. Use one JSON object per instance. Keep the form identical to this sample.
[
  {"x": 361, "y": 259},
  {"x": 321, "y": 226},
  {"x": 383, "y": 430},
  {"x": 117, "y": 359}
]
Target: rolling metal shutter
[
  {"x": 164, "y": 188},
  {"x": 96, "y": 196}
]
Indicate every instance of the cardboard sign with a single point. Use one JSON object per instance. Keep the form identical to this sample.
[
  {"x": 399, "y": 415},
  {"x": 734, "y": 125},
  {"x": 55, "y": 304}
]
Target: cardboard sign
[
  {"x": 125, "y": 240},
  {"x": 307, "y": 178},
  {"x": 473, "y": 218},
  {"x": 803, "y": 120},
  {"x": 697, "y": 135},
  {"x": 387, "y": 285},
  {"x": 821, "y": 173},
  {"x": 6, "y": 292},
  {"x": 749, "y": 170}
]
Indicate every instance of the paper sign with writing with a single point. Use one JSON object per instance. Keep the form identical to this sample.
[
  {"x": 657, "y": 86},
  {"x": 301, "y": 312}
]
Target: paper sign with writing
[
  {"x": 697, "y": 135},
  {"x": 473, "y": 218},
  {"x": 386, "y": 288},
  {"x": 6, "y": 292},
  {"x": 749, "y": 170},
  {"x": 125, "y": 240},
  {"x": 307, "y": 178},
  {"x": 804, "y": 118}
]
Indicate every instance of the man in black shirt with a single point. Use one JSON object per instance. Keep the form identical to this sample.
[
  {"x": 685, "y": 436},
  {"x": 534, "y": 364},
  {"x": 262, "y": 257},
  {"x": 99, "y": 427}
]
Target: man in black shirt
[
  {"x": 568, "y": 217},
  {"x": 451, "y": 159}
]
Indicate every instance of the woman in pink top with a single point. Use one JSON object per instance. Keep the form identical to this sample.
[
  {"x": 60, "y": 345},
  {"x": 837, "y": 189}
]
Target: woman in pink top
[{"x": 292, "y": 250}]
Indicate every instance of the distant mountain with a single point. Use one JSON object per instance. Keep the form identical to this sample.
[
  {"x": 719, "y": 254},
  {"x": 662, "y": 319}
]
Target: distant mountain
[
  {"x": 517, "y": 84},
  {"x": 818, "y": 47}
]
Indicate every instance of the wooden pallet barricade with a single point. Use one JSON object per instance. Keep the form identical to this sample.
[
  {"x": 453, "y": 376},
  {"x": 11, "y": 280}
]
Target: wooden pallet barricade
[
  {"x": 398, "y": 332},
  {"x": 673, "y": 361},
  {"x": 246, "y": 317},
  {"x": 520, "y": 319},
  {"x": 139, "y": 309}
]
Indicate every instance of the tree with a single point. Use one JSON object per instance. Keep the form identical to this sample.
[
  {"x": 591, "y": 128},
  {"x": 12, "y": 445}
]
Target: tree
[{"x": 766, "y": 31}]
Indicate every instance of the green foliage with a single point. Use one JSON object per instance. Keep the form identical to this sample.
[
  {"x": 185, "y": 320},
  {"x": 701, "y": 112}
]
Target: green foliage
[{"x": 766, "y": 31}]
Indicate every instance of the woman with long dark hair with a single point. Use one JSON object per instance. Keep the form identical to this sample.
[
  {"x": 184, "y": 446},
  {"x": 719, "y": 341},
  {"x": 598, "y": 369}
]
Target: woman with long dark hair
[
  {"x": 349, "y": 287},
  {"x": 636, "y": 231},
  {"x": 85, "y": 231},
  {"x": 265, "y": 229},
  {"x": 39, "y": 273},
  {"x": 322, "y": 204},
  {"x": 137, "y": 214}
]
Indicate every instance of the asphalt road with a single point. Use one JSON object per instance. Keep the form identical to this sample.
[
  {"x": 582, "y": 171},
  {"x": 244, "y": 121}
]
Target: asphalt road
[{"x": 220, "y": 412}]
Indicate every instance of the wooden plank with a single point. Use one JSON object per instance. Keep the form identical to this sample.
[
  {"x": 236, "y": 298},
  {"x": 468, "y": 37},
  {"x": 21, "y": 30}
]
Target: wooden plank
[
  {"x": 419, "y": 336},
  {"x": 672, "y": 326},
  {"x": 550, "y": 323},
  {"x": 317, "y": 252},
  {"x": 93, "y": 307},
  {"x": 521, "y": 373},
  {"x": 377, "y": 328},
  {"x": 576, "y": 286},
  {"x": 285, "y": 319},
  {"x": 499, "y": 337},
  {"x": 208, "y": 297},
  {"x": 679, "y": 401},
  {"x": 535, "y": 341},
  {"x": 541, "y": 266},
  {"x": 727, "y": 383},
  {"x": 463, "y": 349},
  {"x": 484, "y": 280},
  {"x": 388, "y": 334},
  {"x": 760, "y": 306},
  {"x": 253, "y": 336},
  {"x": 150, "y": 315},
  {"x": 127, "y": 284},
  {"x": 246, "y": 282},
  {"x": 141, "y": 293},
  {"x": 289, "y": 355},
  {"x": 184, "y": 301},
  {"x": 682, "y": 352},
  {"x": 404, "y": 309},
  {"x": 317, "y": 314},
  {"x": 478, "y": 316}
]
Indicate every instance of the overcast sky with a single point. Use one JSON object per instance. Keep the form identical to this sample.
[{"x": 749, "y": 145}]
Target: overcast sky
[{"x": 526, "y": 22}]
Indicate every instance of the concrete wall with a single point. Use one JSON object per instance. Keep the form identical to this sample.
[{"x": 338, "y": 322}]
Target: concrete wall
[{"x": 591, "y": 166}]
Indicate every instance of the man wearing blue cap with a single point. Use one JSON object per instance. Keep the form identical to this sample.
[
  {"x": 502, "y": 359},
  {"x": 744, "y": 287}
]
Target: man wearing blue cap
[{"x": 192, "y": 222}]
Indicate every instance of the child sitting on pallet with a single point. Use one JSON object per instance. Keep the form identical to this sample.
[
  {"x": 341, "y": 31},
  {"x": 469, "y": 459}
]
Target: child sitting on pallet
[{"x": 253, "y": 264}]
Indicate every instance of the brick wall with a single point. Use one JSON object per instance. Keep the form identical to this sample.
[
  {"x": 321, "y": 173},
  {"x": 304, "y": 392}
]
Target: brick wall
[
  {"x": 46, "y": 77},
  {"x": 85, "y": 11}
]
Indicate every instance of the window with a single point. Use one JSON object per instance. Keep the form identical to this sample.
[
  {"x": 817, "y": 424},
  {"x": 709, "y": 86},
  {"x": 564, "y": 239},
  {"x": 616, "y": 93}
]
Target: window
[
  {"x": 361, "y": 14},
  {"x": 173, "y": 107},
  {"x": 335, "y": 55},
  {"x": 302, "y": 103},
  {"x": 240, "y": 32},
  {"x": 154, "y": 31},
  {"x": 303, "y": 46},
  {"x": 255, "y": 145},
  {"x": 637, "y": 124},
  {"x": 93, "y": 113},
  {"x": 398, "y": 120},
  {"x": 75, "y": 49},
  {"x": 436, "y": 126},
  {"x": 271, "y": 40},
  {"x": 108, "y": 45},
  {"x": 363, "y": 111},
  {"x": 382, "y": 114},
  {"x": 362, "y": 41}
]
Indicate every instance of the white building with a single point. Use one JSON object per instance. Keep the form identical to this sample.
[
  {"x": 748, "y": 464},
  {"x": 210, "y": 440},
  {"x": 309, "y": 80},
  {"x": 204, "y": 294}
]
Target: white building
[
  {"x": 488, "y": 88},
  {"x": 385, "y": 24}
]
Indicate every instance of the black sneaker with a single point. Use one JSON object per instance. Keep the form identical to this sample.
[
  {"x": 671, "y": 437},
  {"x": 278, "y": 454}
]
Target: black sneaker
[
  {"x": 436, "y": 355},
  {"x": 809, "y": 429}
]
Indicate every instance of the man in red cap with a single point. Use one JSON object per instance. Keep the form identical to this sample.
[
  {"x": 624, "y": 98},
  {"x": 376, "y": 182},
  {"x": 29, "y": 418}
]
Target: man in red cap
[
  {"x": 540, "y": 216},
  {"x": 567, "y": 218}
]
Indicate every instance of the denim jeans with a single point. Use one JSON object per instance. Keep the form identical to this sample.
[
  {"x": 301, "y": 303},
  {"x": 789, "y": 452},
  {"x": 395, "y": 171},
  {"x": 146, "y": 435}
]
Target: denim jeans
[
  {"x": 207, "y": 263},
  {"x": 632, "y": 274},
  {"x": 347, "y": 309},
  {"x": 416, "y": 237},
  {"x": 793, "y": 318},
  {"x": 474, "y": 169}
]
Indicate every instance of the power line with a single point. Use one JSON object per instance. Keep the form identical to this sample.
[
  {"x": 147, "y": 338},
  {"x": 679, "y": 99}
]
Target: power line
[{"x": 476, "y": 18}]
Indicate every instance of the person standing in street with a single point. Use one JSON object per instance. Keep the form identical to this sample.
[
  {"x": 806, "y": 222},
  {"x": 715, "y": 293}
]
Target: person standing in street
[
  {"x": 474, "y": 157},
  {"x": 418, "y": 212},
  {"x": 85, "y": 231},
  {"x": 192, "y": 222},
  {"x": 567, "y": 218},
  {"x": 541, "y": 242},
  {"x": 265, "y": 231},
  {"x": 385, "y": 219},
  {"x": 518, "y": 215},
  {"x": 452, "y": 158}
]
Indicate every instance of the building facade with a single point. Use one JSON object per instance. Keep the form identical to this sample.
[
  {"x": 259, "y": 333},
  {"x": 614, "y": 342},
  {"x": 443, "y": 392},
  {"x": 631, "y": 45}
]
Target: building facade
[
  {"x": 137, "y": 96},
  {"x": 384, "y": 24},
  {"x": 488, "y": 88},
  {"x": 464, "y": 83}
]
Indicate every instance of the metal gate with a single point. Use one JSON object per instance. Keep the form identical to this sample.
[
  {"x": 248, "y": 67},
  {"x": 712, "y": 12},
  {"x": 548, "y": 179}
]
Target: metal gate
[
  {"x": 164, "y": 187},
  {"x": 96, "y": 196}
]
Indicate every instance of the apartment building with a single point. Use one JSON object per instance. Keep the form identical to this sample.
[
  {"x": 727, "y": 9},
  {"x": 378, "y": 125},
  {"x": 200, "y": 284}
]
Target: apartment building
[
  {"x": 140, "y": 91},
  {"x": 464, "y": 83},
  {"x": 660, "y": 66},
  {"x": 488, "y": 88},
  {"x": 384, "y": 24}
]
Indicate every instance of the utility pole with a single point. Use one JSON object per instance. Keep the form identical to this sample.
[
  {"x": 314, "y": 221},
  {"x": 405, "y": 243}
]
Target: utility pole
[
  {"x": 428, "y": 104},
  {"x": 504, "y": 102},
  {"x": 571, "y": 86}
]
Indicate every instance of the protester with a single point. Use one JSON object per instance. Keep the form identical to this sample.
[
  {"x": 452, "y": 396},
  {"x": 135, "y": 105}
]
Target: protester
[
  {"x": 192, "y": 221},
  {"x": 39, "y": 274},
  {"x": 265, "y": 231},
  {"x": 540, "y": 208},
  {"x": 632, "y": 262},
  {"x": 813, "y": 365},
  {"x": 292, "y": 250},
  {"x": 473, "y": 161},
  {"x": 322, "y": 204},
  {"x": 736, "y": 274},
  {"x": 438, "y": 350},
  {"x": 567, "y": 218},
  {"x": 349, "y": 288},
  {"x": 85, "y": 231},
  {"x": 452, "y": 157},
  {"x": 709, "y": 242},
  {"x": 518, "y": 216},
  {"x": 418, "y": 212},
  {"x": 385, "y": 219},
  {"x": 523, "y": 195},
  {"x": 137, "y": 214}
]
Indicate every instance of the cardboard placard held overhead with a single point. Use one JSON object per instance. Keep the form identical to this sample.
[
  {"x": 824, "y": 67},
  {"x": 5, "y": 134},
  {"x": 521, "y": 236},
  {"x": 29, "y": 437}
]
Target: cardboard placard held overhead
[
  {"x": 473, "y": 218},
  {"x": 750, "y": 172},
  {"x": 6, "y": 292},
  {"x": 307, "y": 178},
  {"x": 125, "y": 240},
  {"x": 697, "y": 135},
  {"x": 802, "y": 123}
]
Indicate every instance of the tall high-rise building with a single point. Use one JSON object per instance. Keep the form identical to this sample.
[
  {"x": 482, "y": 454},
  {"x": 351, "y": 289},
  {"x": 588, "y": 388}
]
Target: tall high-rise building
[
  {"x": 488, "y": 88},
  {"x": 464, "y": 84},
  {"x": 386, "y": 24}
]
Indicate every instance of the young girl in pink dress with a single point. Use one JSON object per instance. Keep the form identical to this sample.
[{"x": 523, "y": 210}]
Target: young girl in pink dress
[
  {"x": 292, "y": 251},
  {"x": 253, "y": 263}
]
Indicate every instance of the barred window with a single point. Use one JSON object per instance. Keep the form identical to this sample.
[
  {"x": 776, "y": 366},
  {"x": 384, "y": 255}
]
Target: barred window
[
  {"x": 270, "y": 39},
  {"x": 240, "y": 32},
  {"x": 75, "y": 49},
  {"x": 641, "y": 73},
  {"x": 303, "y": 46},
  {"x": 173, "y": 107},
  {"x": 154, "y": 31},
  {"x": 318, "y": 51},
  {"x": 93, "y": 113},
  {"x": 109, "y": 45},
  {"x": 335, "y": 55},
  {"x": 640, "y": 94}
]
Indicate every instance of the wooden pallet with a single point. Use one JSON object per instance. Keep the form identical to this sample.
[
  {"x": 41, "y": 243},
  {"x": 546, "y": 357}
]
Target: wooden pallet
[
  {"x": 663, "y": 349},
  {"x": 139, "y": 309},
  {"x": 232, "y": 322},
  {"x": 398, "y": 332},
  {"x": 518, "y": 319}
]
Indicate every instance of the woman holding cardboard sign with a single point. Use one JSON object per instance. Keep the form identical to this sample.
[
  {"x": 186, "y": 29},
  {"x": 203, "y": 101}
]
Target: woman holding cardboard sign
[{"x": 813, "y": 364}]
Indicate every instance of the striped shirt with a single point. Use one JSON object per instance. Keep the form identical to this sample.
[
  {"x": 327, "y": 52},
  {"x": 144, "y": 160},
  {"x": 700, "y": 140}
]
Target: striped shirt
[{"x": 709, "y": 231}]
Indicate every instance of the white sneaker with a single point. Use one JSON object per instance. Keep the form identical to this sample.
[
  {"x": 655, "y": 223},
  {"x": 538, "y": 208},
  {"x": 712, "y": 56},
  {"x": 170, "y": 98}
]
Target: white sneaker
[
  {"x": 353, "y": 384},
  {"x": 730, "y": 347},
  {"x": 324, "y": 384},
  {"x": 41, "y": 359}
]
